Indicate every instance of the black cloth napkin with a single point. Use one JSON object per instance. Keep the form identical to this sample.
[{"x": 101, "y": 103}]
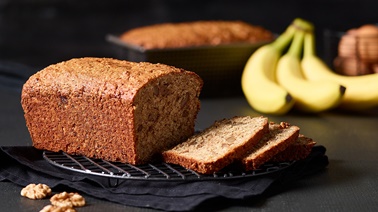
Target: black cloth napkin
[{"x": 25, "y": 165}]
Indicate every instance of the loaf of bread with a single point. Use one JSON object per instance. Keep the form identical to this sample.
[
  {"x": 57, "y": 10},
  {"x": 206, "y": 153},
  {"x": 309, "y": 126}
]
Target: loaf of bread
[
  {"x": 299, "y": 150},
  {"x": 280, "y": 137},
  {"x": 219, "y": 145},
  {"x": 111, "y": 109},
  {"x": 197, "y": 33}
]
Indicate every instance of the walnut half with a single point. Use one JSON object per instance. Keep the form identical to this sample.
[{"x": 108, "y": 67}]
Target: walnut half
[
  {"x": 65, "y": 199},
  {"x": 36, "y": 191}
]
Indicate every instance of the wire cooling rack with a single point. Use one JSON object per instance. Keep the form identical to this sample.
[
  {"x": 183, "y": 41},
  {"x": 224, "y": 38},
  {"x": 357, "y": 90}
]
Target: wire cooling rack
[{"x": 159, "y": 171}]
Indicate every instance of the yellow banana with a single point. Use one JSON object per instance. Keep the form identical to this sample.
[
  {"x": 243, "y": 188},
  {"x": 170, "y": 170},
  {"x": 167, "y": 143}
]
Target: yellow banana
[
  {"x": 258, "y": 79},
  {"x": 310, "y": 96},
  {"x": 361, "y": 91}
]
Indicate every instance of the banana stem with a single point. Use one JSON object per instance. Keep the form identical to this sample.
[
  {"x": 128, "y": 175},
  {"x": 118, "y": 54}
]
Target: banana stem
[
  {"x": 303, "y": 25},
  {"x": 309, "y": 44},
  {"x": 296, "y": 47},
  {"x": 283, "y": 40}
]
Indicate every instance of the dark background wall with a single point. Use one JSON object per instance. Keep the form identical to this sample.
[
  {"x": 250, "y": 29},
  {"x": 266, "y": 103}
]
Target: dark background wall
[{"x": 41, "y": 32}]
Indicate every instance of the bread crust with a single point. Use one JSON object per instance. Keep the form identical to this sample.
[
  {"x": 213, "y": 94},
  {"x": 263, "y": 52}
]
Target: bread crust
[{"x": 110, "y": 109}]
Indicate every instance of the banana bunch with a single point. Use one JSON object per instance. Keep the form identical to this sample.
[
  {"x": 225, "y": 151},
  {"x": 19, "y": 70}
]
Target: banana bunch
[
  {"x": 310, "y": 96},
  {"x": 274, "y": 81}
]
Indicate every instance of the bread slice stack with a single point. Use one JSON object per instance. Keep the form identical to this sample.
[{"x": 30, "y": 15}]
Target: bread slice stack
[
  {"x": 221, "y": 144},
  {"x": 299, "y": 150},
  {"x": 279, "y": 137},
  {"x": 249, "y": 141}
]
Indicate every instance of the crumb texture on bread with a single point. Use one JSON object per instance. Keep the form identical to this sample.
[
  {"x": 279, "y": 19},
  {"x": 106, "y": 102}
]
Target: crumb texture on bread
[
  {"x": 111, "y": 109},
  {"x": 196, "y": 33},
  {"x": 219, "y": 145},
  {"x": 280, "y": 136},
  {"x": 299, "y": 150}
]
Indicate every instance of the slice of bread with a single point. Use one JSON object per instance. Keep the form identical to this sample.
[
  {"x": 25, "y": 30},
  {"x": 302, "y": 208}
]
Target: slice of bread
[
  {"x": 219, "y": 145},
  {"x": 299, "y": 150},
  {"x": 280, "y": 136}
]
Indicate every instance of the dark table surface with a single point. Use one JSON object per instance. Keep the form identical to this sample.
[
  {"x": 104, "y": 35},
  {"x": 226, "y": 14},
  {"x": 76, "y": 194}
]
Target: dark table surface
[
  {"x": 350, "y": 182},
  {"x": 39, "y": 33}
]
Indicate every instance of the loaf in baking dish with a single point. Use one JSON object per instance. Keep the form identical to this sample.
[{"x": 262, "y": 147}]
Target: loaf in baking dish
[{"x": 196, "y": 33}]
